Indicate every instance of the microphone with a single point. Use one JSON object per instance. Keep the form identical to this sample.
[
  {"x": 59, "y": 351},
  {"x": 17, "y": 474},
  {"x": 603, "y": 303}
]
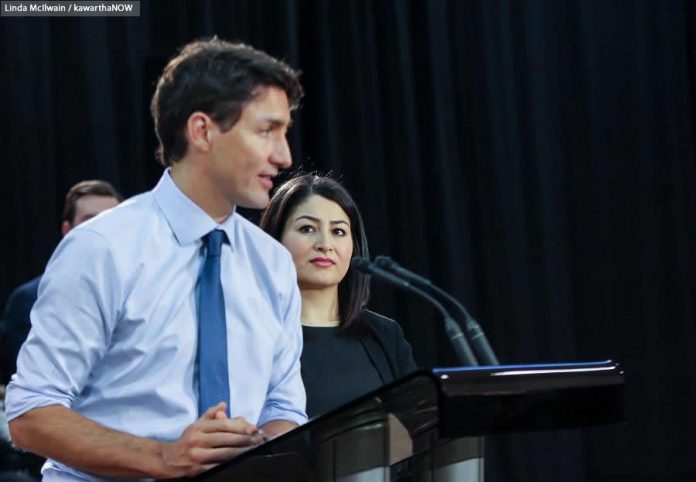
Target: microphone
[
  {"x": 454, "y": 332},
  {"x": 474, "y": 331}
]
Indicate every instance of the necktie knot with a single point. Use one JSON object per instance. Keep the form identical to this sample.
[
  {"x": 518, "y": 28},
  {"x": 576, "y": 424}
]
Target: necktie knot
[{"x": 213, "y": 241}]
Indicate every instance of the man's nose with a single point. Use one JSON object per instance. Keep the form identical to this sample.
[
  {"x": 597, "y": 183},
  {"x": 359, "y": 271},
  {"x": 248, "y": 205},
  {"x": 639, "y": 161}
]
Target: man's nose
[{"x": 281, "y": 155}]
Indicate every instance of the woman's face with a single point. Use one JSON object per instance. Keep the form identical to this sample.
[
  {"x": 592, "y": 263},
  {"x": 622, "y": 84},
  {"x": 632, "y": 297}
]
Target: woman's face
[{"x": 317, "y": 234}]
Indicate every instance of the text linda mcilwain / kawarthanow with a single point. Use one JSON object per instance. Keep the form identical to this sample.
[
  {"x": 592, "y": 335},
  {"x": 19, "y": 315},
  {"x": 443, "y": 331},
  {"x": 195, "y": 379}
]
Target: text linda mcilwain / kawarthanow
[{"x": 66, "y": 7}]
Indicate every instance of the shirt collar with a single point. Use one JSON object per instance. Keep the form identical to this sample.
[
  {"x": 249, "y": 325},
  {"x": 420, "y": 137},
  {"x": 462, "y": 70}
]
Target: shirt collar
[{"x": 186, "y": 219}]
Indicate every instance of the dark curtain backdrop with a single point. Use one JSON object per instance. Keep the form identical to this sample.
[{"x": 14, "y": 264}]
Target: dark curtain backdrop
[{"x": 534, "y": 158}]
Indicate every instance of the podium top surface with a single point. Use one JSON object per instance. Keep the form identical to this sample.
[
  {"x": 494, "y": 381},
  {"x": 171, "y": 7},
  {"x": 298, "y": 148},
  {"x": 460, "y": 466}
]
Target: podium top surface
[
  {"x": 488, "y": 380},
  {"x": 428, "y": 407}
]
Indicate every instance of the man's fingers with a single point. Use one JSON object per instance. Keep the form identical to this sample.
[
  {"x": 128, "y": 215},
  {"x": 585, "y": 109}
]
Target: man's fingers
[
  {"x": 205, "y": 468},
  {"x": 234, "y": 425},
  {"x": 207, "y": 456},
  {"x": 226, "y": 439},
  {"x": 253, "y": 430},
  {"x": 221, "y": 438},
  {"x": 212, "y": 412},
  {"x": 220, "y": 414},
  {"x": 213, "y": 438}
]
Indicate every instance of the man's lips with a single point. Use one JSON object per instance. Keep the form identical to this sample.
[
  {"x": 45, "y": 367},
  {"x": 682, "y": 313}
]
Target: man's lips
[
  {"x": 267, "y": 180},
  {"x": 322, "y": 262}
]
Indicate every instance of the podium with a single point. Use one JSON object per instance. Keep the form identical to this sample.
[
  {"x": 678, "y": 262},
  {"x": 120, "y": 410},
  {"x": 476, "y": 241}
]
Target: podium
[{"x": 429, "y": 426}]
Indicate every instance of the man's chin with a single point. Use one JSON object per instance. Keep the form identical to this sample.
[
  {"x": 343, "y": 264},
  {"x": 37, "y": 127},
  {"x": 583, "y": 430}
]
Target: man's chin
[{"x": 257, "y": 202}]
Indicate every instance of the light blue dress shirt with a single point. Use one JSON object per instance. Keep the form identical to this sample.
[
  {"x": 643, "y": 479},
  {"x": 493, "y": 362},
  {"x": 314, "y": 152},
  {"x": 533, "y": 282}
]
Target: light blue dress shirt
[{"x": 114, "y": 329}]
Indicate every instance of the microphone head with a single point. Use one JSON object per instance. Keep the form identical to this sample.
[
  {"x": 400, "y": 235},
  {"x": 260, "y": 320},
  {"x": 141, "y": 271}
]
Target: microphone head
[
  {"x": 384, "y": 262},
  {"x": 361, "y": 264}
]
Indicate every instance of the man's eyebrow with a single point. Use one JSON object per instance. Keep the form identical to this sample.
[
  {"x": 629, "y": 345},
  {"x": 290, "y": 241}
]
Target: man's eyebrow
[{"x": 276, "y": 122}]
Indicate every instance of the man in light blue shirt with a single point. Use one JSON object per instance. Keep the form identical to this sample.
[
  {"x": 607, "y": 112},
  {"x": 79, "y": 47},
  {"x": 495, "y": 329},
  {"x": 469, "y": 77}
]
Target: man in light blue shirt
[{"x": 107, "y": 382}]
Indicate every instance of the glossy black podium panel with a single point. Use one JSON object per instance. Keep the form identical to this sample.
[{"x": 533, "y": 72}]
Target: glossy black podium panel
[{"x": 427, "y": 426}]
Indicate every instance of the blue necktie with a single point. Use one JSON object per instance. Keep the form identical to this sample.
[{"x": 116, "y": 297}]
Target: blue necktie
[{"x": 213, "y": 380}]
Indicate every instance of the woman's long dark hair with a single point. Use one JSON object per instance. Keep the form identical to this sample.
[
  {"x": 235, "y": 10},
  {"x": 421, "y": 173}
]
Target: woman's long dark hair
[{"x": 354, "y": 288}]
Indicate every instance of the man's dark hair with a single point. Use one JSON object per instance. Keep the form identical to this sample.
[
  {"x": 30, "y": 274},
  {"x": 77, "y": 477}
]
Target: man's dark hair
[
  {"x": 354, "y": 288},
  {"x": 93, "y": 187},
  {"x": 217, "y": 78}
]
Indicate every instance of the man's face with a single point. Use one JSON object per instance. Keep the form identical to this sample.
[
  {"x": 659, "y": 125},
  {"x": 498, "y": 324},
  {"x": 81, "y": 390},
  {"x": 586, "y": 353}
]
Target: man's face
[
  {"x": 86, "y": 208},
  {"x": 246, "y": 158}
]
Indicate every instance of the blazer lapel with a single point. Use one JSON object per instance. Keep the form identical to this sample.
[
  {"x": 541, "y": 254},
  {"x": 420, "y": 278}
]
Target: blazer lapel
[{"x": 377, "y": 357}]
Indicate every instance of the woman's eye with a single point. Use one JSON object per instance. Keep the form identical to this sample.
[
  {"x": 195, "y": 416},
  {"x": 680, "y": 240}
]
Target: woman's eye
[
  {"x": 339, "y": 232},
  {"x": 306, "y": 229}
]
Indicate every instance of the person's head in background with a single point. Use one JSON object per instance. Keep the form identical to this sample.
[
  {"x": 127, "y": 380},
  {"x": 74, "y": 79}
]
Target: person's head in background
[
  {"x": 221, "y": 112},
  {"x": 85, "y": 200},
  {"x": 318, "y": 221}
]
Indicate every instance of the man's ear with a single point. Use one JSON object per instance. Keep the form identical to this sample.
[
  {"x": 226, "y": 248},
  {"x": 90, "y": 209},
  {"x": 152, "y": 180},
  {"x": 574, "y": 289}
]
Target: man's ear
[
  {"x": 65, "y": 227},
  {"x": 199, "y": 131}
]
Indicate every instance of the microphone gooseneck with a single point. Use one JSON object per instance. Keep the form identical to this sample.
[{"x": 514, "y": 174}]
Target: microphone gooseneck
[
  {"x": 454, "y": 332},
  {"x": 475, "y": 333}
]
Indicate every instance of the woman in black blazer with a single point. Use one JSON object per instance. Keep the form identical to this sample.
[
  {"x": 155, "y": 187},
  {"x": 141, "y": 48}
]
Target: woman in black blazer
[{"x": 348, "y": 350}]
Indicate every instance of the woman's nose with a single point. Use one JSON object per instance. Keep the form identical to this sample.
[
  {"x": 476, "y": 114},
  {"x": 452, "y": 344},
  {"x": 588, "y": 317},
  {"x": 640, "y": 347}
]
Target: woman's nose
[{"x": 323, "y": 243}]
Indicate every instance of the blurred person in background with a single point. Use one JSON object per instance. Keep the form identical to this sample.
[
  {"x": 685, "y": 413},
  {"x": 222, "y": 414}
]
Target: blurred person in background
[{"x": 83, "y": 201}]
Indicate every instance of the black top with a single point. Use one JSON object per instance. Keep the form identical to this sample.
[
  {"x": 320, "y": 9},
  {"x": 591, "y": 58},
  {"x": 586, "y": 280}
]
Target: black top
[{"x": 337, "y": 368}]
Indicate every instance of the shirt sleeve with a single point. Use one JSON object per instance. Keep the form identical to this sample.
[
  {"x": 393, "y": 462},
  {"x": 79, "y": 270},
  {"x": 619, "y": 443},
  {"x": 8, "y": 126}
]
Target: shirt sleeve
[
  {"x": 286, "y": 398},
  {"x": 72, "y": 322}
]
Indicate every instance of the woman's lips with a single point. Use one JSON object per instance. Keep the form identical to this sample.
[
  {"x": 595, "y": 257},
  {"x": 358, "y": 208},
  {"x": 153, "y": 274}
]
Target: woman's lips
[{"x": 322, "y": 262}]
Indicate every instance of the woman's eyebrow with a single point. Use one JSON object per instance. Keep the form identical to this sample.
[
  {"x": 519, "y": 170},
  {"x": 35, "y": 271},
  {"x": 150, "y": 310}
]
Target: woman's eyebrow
[
  {"x": 316, "y": 220},
  {"x": 307, "y": 216}
]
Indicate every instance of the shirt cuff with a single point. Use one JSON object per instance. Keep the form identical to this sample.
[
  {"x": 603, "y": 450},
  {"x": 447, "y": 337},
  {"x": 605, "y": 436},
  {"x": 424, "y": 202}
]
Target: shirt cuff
[
  {"x": 19, "y": 401},
  {"x": 273, "y": 413}
]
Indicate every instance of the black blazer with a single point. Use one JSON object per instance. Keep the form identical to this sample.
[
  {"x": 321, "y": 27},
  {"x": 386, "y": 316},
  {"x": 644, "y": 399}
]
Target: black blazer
[
  {"x": 15, "y": 326},
  {"x": 387, "y": 347}
]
